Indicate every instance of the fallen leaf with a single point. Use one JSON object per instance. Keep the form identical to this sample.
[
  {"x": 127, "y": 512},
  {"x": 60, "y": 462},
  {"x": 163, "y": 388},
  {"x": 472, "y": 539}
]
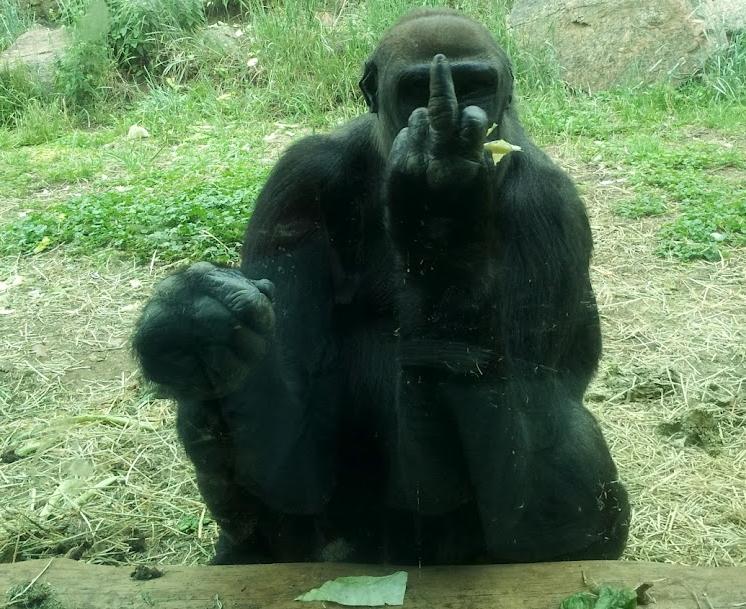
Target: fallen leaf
[
  {"x": 643, "y": 594},
  {"x": 42, "y": 245},
  {"x": 606, "y": 597},
  {"x": 581, "y": 600},
  {"x": 358, "y": 591},
  {"x": 40, "y": 350}
]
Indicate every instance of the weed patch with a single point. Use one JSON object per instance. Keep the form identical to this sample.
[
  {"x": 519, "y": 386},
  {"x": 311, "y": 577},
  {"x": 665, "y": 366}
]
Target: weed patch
[
  {"x": 687, "y": 178},
  {"x": 199, "y": 221}
]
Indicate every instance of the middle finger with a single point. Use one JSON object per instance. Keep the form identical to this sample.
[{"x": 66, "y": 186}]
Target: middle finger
[{"x": 442, "y": 105}]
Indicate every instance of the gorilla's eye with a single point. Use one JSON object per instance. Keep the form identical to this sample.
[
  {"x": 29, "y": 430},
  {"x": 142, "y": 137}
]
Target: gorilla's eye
[
  {"x": 474, "y": 82},
  {"x": 413, "y": 91}
]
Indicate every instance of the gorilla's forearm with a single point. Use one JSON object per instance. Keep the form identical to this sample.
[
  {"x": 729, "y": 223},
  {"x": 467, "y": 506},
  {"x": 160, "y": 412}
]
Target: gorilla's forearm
[
  {"x": 447, "y": 246},
  {"x": 443, "y": 236}
]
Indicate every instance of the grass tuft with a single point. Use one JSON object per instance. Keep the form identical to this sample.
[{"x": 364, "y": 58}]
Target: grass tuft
[
  {"x": 13, "y": 21},
  {"x": 725, "y": 73},
  {"x": 700, "y": 180},
  {"x": 183, "y": 222},
  {"x": 641, "y": 206}
]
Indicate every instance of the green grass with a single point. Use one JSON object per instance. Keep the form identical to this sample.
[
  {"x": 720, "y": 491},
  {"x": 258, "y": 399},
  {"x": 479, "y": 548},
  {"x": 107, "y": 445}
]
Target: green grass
[
  {"x": 13, "y": 22},
  {"x": 642, "y": 206},
  {"x": 700, "y": 182},
  {"x": 17, "y": 90},
  {"x": 187, "y": 191},
  {"x": 169, "y": 214}
]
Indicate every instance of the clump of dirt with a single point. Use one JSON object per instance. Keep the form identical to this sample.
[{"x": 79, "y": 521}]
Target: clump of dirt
[
  {"x": 737, "y": 517},
  {"x": 637, "y": 384},
  {"x": 724, "y": 397},
  {"x": 653, "y": 387},
  {"x": 10, "y": 456},
  {"x": 136, "y": 540},
  {"x": 697, "y": 427},
  {"x": 33, "y": 596},
  {"x": 144, "y": 572}
]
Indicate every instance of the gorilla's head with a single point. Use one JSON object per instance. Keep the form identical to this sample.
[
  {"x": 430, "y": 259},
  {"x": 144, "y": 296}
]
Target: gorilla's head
[{"x": 396, "y": 76}]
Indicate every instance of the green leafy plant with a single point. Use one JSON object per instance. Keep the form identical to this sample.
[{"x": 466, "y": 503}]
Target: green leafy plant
[
  {"x": 13, "y": 21},
  {"x": 18, "y": 89},
  {"x": 700, "y": 184},
  {"x": 141, "y": 30},
  {"x": 205, "y": 221},
  {"x": 641, "y": 206},
  {"x": 84, "y": 74}
]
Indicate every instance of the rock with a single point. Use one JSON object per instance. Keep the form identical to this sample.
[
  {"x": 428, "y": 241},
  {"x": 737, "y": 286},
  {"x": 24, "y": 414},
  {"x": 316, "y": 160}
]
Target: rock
[
  {"x": 612, "y": 43},
  {"x": 37, "y": 50},
  {"x": 728, "y": 14},
  {"x": 696, "y": 427},
  {"x": 223, "y": 36}
]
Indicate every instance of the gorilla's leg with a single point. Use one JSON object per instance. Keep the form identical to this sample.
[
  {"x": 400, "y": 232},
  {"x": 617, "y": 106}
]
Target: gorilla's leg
[{"x": 545, "y": 483}]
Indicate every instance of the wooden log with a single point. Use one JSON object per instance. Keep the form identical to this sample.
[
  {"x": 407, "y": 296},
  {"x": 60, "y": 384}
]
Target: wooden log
[{"x": 76, "y": 585}]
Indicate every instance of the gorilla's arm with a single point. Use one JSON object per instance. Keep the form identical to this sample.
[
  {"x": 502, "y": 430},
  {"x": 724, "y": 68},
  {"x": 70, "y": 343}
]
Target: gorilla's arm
[
  {"x": 249, "y": 354},
  {"x": 495, "y": 270},
  {"x": 495, "y": 256}
]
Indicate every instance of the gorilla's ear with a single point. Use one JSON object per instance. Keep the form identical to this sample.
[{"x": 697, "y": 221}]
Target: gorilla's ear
[{"x": 369, "y": 85}]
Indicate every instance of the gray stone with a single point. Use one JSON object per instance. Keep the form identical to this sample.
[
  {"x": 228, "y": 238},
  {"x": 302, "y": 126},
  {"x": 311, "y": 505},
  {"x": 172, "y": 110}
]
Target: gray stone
[
  {"x": 729, "y": 14},
  {"x": 610, "y": 43},
  {"x": 37, "y": 50}
]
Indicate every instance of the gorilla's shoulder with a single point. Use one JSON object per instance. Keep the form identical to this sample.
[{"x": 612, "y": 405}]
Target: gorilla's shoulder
[
  {"x": 358, "y": 132},
  {"x": 334, "y": 157}
]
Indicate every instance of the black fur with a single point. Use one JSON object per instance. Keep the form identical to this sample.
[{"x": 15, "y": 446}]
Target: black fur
[{"x": 409, "y": 386}]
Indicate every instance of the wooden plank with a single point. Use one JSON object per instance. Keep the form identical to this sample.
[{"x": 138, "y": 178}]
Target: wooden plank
[{"x": 539, "y": 586}]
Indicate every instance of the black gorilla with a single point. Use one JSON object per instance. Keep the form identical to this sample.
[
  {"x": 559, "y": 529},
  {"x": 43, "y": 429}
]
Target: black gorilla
[{"x": 396, "y": 372}]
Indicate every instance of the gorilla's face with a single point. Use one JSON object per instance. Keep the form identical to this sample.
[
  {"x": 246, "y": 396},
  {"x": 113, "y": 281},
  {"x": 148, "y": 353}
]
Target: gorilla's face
[
  {"x": 396, "y": 80},
  {"x": 476, "y": 84}
]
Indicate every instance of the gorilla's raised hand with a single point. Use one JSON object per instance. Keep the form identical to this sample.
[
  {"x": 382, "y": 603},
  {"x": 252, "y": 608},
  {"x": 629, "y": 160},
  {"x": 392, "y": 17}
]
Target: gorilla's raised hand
[
  {"x": 438, "y": 186},
  {"x": 204, "y": 330},
  {"x": 442, "y": 144}
]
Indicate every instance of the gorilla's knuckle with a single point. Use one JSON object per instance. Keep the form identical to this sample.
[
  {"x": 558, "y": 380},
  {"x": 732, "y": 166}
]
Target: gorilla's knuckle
[
  {"x": 200, "y": 268},
  {"x": 266, "y": 287}
]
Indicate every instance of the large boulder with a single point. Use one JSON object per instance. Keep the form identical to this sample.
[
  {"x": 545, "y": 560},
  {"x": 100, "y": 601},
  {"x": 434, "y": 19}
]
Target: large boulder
[
  {"x": 36, "y": 50},
  {"x": 610, "y": 43},
  {"x": 729, "y": 14}
]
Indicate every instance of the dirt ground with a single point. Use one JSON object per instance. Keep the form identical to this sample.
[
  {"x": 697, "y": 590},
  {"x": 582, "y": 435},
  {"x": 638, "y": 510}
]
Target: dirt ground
[{"x": 91, "y": 468}]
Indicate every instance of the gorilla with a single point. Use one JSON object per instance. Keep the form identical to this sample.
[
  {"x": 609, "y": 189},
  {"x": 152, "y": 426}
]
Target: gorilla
[{"x": 396, "y": 371}]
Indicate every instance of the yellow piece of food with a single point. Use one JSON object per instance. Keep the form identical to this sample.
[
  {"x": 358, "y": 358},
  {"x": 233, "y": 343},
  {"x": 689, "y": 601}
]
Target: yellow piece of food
[{"x": 499, "y": 148}]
